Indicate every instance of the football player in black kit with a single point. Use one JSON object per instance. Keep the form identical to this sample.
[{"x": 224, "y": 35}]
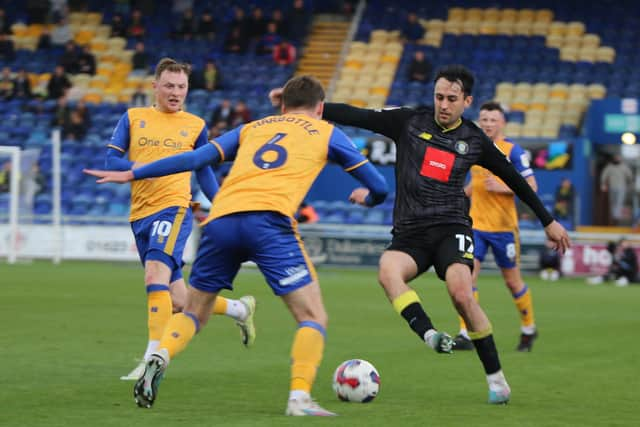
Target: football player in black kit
[{"x": 435, "y": 148}]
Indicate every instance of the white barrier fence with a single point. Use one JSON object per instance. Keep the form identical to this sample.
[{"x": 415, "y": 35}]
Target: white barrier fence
[{"x": 348, "y": 246}]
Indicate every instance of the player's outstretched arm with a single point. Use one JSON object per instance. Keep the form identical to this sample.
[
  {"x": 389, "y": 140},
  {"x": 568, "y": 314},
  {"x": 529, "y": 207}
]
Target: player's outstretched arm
[
  {"x": 105, "y": 176},
  {"x": 188, "y": 161}
]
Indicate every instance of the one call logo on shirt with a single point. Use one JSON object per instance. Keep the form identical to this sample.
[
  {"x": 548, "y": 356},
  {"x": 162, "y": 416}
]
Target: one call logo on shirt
[{"x": 437, "y": 164}]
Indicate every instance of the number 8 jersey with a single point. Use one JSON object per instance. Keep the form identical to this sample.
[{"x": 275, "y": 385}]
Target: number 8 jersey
[{"x": 275, "y": 161}]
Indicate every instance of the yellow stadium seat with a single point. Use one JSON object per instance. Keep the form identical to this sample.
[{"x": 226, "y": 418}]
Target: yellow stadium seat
[
  {"x": 76, "y": 18},
  {"x": 356, "y": 102},
  {"x": 473, "y": 14},
  {"x": 491, "y": 14},
  {"x": 587, "y": 54},
  {"x": 557, "y": 28},
  {"x": 533, "y": 116},
  {"x": 19, "y": 29},
  {"x": 569, "y": 54},
  {"x": 540, "y": 90},
  {"x": 117, "y": 43},
  {"x": 519, "y": 106},
  {"x": 92, "y": 98},
  {"x": 383, "y": 91},
  {"x": 103, "y": 31},
  {"x": 522, "y": 90},
  {"x": 526, "y": 15},
  {"x": 544, "y": 15},
  {"x": 435, "y": 25},
  {"x": 93, "y": 18},
  {"x": 523, "y": 28},
  {"x": 505, "y": 27},
  {"x": 572, "y": 41},
  {"x": 539, "y": 28},
  {"x": 554, "y": 40},
  {"x": 471, "y": 26},
  {"x": 596, "y": 91},
  {"x": 488, "y": 27},
  {"x": 456, "y": 14},
  {"x": 81, "y": 80},
  {"x": 432, "y": 38},
  {"x": 590, "y": 40},
  {"x": 530, "y": 132},
  {"x": 575, "y": 28},
  {"x": 453, "y": 27},
  {"x": 508, "y": 15},
  {"x": 98, "y": 44},
  {"x": 606, "y": 54},
  {"x": 513, "y": 129},
  {"x": 537, "y": 105},
  {"x": 559, "y": 90}
]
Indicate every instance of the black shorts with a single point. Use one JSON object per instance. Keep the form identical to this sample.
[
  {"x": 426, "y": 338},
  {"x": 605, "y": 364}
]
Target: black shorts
[{"x": 437, "y": 246}]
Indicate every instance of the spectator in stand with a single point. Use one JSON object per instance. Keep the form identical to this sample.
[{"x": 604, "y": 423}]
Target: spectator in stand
[
  {"x": 118, "y": 26},
  {"x": 44, "y": 41},
  {"x": 6, "y": 84},
  {"x": 565, "y": 196},
  {"x": 241, "y": 114},
  {"x": 236, "y": 41},
  {"x": 187, "y": 27},
  {"x": 37, "y": 11},
  {"x": 86, "y": 61},
  {"x": 217, "y": 129},
  {"x": 212, "y": 76},
  {"x": 61, "y": 33},
  {"x": 21, "y": 86},
  {"x": 58, "y": 9},
  {"x": 5, "y": 25},
  {"x": 196, "y": 78},
  {"x": 139, "y": 98},
  {"x": 257, "y": 25},
  {"x": 61, "y": 113},
  {"x": 83, "y": 111},
  {"x": 307, "y": 214},
  {"x": 269, "y": 40},
  {"x": 206, "y": 26},
  {"x": 58, "y": 84},
  {"x": 420, "y": 68},
  {"x": 74, "y": 129},
  {"x": 412, "y": 30},
  {"x": 223, "y": 113},
  {"x": 624, "y": 265},
  {"x": 239, "y": 21},
  {"x": 299, "y": 20},
  {"x": 140, "y": 59},
  {"x": 7, "y": 49},
  {"x": 69, "y": 58},
  {"x": 180, "y": 6},
  {"x": 549, "y": 262},
  {"x": 615, "y": 180},
  {"x": 284, "y": 53},
  {"x": 277, "y": 17},
  {"x": 136, "y": 27}
]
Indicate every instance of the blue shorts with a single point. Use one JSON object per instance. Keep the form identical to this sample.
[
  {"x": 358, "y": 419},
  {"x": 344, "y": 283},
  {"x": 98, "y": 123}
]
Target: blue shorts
[
  {"x": 267, "y": 238},
  {"x": 505, "y": 247},
  {"x": 162, "y": 237}
]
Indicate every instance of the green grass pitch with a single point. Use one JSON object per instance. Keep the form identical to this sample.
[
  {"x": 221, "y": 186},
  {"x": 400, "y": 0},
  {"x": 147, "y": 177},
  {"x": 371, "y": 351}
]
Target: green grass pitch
[{"x": 69, "y": 331}]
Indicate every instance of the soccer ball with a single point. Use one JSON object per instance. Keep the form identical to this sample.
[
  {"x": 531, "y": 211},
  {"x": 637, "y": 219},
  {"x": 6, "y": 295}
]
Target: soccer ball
[{"x": 356, "y": 380}]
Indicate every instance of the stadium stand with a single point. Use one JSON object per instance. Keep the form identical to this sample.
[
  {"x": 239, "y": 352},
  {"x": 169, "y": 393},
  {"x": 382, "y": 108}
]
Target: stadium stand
[{"x": 546, "y": 64}]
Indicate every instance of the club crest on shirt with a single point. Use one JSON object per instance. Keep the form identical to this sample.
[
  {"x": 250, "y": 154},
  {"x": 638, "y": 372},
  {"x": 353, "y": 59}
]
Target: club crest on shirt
[
  {"x": 184, "y": 133},
  {"x": 142, "y": 124},
  {"x": 462, "y": 147}
]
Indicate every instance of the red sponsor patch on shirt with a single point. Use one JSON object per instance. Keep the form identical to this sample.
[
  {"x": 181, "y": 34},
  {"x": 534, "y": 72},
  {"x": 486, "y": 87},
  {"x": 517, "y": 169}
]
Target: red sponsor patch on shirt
[{"x": 437, "y": 164}]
